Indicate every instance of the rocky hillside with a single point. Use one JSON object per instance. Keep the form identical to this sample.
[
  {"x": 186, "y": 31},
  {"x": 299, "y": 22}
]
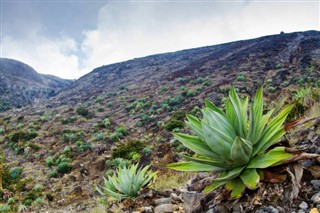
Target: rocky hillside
[
  {"x": 57, "y": 152},
  {"x": 283, "y": 58},
  {"x": 20, "y": 84}
]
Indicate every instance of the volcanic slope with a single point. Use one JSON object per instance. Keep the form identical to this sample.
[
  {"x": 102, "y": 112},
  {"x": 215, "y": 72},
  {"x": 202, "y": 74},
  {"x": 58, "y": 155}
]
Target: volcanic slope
[{"x": 132, "y": 107}]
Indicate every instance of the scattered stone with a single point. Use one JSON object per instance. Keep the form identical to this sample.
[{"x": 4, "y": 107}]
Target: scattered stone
[
  {"x": 192, "y": 202},
  {"x": 268, "y": 209},
  {"x": 315, "y": 171},
  {"x": 315, "y": 184},
  {"x": 175, "y": 197},
  {"x": 161, "y": 201},
  {"x": 221, "y": 209},
  {"x": 301, "y": 211},
  {"x": 303, "y": 205},
  {"x": 237, "y": 209},
  {"x": 164, "y": 208},
  {"x": 114, "y": 208},
  {"x": 316, "y": 198},
  {"x": 147, "y": 193},
  {"x": 145, "y": 209},
  {"x": 210, "y": 211}
]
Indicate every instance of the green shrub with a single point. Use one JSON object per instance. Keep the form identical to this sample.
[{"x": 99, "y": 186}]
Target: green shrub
[
  {"x": 100, "y": 109},
  {"x": 50, "y": 161},
  {"x": 22, "y": 136},
  {"x": 67, "y": 150},
  {"x": 53, "y": 174},
  {"x": 173, "y": 124},
  {"x": 147, "y": 151},
  {"x": 279, "y": 66},
  {"x": 5, "y": 208},
  {"x": 38, "y": 188},
  {"x": 98, "y": 136},
  {"x": 120, "y": 162},
  {"x": 164, "y": 89},
  {"x": 106, "y": 122},
  {"x": 64, "y": 167},
  {"x": 126, "y": 182},
  {"x": 63, "y": 158},
  {"x": 192, "y": 82},
  {"x": 84, "y": 112},
  {"x": 11, "y": 201},
  {"x": 241, "y": 77},
  {"x": 114, "y": 137},
  {"x": 124, "y": 150},
  {"x": 233, "y": 144},
  {"x": 181, "y": 80},
  {"x": 190, "y": 93},
  {"x": 271, "y": 89},
  {"x": 15, "y": 172},
  {"x": 99, "y": 99},
  {"x": 39, "y": 201},
  {"x": 27, "y": 202},
  {"x": 121, "y": 130},
  {"x": 1, "y": 131}
]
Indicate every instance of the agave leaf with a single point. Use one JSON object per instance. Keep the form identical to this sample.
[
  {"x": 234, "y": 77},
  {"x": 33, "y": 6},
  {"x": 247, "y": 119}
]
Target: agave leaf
[
  {"x": 194, "y": 167},
  {"x": 229, "y": 174},
  {"x": 126, "y": 182},
  {"x": 250, "y": 178},
  {"x": 271, "y": 158},
  {"x": 211, "y": 106},
  {"x": 256, "y": 111},
  {"x": 261, "y": 127},
  {"x": 99, "y": 191},
  {"x": 244, "y": 115},
  {"x": 241, "y": 151},
  {"x": 218, "y": 141},
  {"x": 194, "y": 123},
  {"x": 210, "y": 161},
  {"x": 276, "y": 136},
  {"x": 214, "y": 185},
  {"x": 195, "y": 144},
  {"x": 276, "y": 124},
  {"x": 234, "y": 113},
  {"x": 236, "y": 186},
  {"x": 219, "y": 121}
]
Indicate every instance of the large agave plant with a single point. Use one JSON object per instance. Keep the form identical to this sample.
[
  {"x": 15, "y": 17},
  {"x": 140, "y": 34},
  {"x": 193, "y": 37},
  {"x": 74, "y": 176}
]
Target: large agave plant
[
  {"x": 126, "y": 182},
  {"x": 235, "y": 143}
]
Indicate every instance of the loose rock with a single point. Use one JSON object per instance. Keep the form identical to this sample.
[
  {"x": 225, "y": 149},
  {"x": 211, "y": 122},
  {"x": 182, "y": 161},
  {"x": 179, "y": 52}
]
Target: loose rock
[
  {"x": 192, "y": 201},
  {"x": 316, "y": 198},
  {"x": 164, "y": 208},
  {"x": 315, "y": 184},
  {"x": 303, "y": 205},
  {"x": 268, "y": 209},
  {"x": 161, "y": 201}
]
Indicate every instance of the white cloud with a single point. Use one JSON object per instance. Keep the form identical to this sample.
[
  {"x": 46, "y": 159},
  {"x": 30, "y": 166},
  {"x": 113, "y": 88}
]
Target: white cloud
[
  {"x": 48, "y": 56},
  {"x": 133, "y": 29}
]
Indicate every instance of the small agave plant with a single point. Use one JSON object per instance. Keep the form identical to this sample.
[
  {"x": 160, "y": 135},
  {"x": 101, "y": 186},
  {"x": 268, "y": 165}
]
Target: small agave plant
[
  {"x": 235, "y": 143},
  {"x": 127, "y": 182}
]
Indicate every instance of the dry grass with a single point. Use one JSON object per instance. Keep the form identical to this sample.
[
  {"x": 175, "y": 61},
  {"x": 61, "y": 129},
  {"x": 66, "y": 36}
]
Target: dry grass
[{"x": 172, "y": 179}]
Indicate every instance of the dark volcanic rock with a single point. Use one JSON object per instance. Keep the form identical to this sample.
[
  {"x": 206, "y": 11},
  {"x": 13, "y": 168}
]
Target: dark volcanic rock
[{"x": 20, "y": 84}]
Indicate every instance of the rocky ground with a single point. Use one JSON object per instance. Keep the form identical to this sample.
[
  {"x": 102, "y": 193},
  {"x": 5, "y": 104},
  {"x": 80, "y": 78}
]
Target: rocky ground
[{"x": 149, "y": 98}]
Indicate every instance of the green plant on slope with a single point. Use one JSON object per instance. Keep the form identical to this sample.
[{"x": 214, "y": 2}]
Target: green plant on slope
[
  {"x": 234, "y": 144},
  {"x": 127, "y": 182}
]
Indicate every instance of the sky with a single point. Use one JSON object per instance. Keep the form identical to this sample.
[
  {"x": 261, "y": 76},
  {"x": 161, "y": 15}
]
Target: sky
[{"x": 69, "y": 38}]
